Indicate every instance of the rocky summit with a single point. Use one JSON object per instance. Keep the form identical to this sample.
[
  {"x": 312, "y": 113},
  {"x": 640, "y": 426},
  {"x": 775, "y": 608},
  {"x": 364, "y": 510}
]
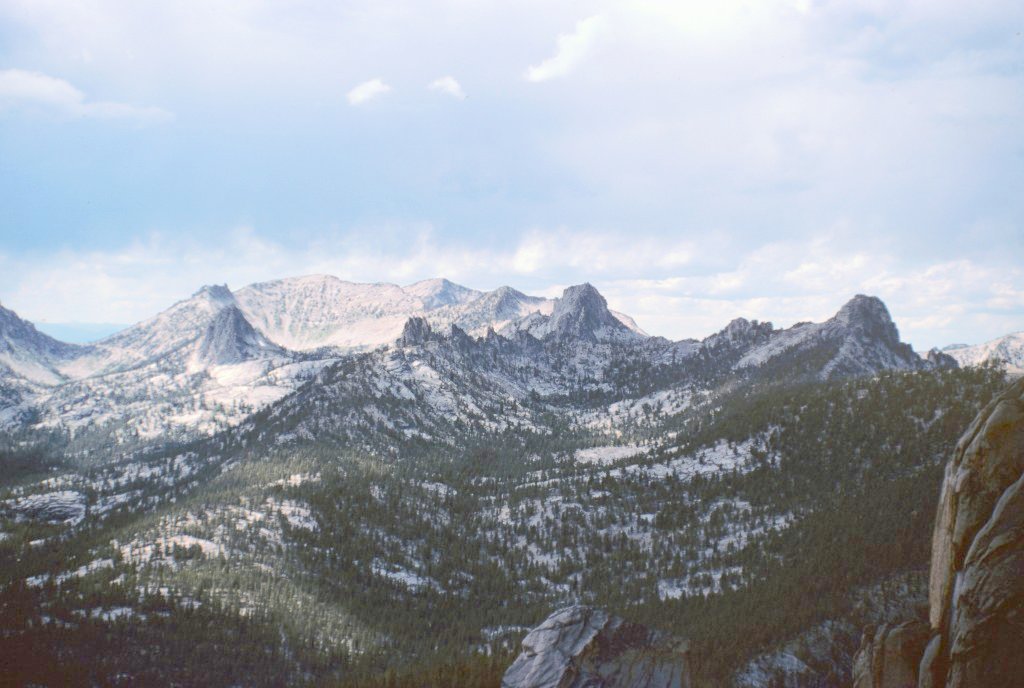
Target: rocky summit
[
  {"x": 229, "y": 338},
  {"x": 582, "y": 313},
  {"x": 582, "y": 646}
]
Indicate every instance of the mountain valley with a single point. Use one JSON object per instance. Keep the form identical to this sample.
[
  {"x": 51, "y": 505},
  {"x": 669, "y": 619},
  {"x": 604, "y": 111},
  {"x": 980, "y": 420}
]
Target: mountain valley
[{"x": 311, "y": 481}]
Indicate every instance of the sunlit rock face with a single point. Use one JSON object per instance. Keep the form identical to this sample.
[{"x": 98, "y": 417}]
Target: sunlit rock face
[
  {"x": 582, "y": 646},
  {"x": 889, "y": 656},
  {"x": 977, "y": 575},
  {"x": 230, "y": 339}
]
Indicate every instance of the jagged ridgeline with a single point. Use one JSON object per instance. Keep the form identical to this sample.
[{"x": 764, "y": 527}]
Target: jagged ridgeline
[{"x": 313, "y": 481}]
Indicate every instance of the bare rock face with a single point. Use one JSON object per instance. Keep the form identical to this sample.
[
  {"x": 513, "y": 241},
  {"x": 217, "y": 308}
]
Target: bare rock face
[
  {"x": 64, "y": 506},
  {"x": 977, "y": 576},
  {"x": 889, "y": 655},
  {"x": 230, "y": 338},
  {"x": 987, "y": 627},
  {"x": 416, "y": 332},
  {"x": 579, "y": 647}
]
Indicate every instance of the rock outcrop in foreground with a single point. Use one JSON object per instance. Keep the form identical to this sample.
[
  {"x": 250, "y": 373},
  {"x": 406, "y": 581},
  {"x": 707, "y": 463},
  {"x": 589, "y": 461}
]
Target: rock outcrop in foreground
[
  {"x": 824, "y": 655},
  {"x": 976, "y": 588},
  {"x": 582, "y": 646},
  {"x": 977, "y": 578},
  {"x": 889, "y": 655}
]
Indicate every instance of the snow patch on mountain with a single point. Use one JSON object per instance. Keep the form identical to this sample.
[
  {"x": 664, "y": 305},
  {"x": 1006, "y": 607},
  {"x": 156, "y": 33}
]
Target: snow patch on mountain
[
  {"x": 403, "y": 576},
  {"x": 606, "y": 455},
  {"x": 439, "y": 292},
  {"x": 163, "y": 338},
  {"x": 628, "y": 322},
  {"x": 494, "y": 310},
  {"x": 297, "y": 514},
  {"x": 307, "y": 313},
  {"x": 1008, "y": 350},
  {"x": 29, "y": 358},
  {"x": 860, "y": 339}
]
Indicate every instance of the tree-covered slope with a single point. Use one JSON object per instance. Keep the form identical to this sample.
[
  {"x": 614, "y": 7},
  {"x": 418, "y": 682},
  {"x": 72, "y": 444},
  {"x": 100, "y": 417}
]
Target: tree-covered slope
[{"x": 737, "y": 521}]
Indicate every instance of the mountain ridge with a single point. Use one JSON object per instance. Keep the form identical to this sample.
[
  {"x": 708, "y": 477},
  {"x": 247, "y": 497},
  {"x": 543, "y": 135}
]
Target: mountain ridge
[
  {"x": 1007, "y": 350},
  {"x": 432, "y": 480},
  {"x": 232, "y": 347}
]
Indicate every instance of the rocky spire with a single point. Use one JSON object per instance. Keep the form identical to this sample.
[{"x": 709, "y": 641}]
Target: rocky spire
[
  {"x": 416, "y": 332},
  {"x": 868, "y": 316},
  {"x": 229, "y": 338},
  {"x": 582, "y": 313},
  {"x": 741, "y": 333}
]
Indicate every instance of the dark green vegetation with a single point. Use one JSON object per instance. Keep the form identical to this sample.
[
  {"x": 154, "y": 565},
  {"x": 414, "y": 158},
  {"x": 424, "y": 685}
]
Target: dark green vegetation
[
  {"x": 372, "y": 556},
  {"x": 863, "y": 462}
]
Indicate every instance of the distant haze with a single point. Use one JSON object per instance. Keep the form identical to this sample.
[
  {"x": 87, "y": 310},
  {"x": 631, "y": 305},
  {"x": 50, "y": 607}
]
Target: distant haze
[{"x": 78, "y": 333}]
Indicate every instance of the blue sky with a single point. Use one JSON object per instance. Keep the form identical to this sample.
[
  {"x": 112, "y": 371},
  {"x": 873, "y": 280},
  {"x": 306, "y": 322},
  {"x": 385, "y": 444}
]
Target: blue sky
[{"x": 696, "y": 161}]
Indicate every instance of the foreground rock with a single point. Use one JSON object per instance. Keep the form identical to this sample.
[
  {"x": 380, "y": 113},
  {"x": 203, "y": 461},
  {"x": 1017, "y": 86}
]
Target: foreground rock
[
  {"x": 977, "y": 577},
  {"x": 823, "y": 655},
  {"x": 815, "y": 658},
  {"x": 889, "y": 655},
  {"x": 582, "y": 646}
]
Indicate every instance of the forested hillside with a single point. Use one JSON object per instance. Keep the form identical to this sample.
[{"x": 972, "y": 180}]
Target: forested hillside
[{"x": 368, "y": 556}]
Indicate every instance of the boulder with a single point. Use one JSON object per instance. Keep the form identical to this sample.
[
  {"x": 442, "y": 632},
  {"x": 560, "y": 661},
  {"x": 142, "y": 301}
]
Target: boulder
[{"x": 580, "y": 646}]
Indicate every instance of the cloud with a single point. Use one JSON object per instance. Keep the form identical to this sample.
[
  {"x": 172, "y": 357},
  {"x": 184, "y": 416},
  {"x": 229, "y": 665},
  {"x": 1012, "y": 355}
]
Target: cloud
[
  {"x": 135, "y": 281},
  {"x": 21, "y": 88},
  {"x": 146, "y": 275},
  {"x": 762, "y": 121},
  {"x": 573, "y": 49},
  {"x": 448, "y": 84},
  {"x": 367, "y": 91},
  {"x": 548, "y": 253}
]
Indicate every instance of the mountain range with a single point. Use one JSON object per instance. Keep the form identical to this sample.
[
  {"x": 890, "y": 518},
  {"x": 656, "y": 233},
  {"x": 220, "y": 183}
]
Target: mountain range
[
  {"x": 209, "y": 361},
  {"x": 310, "y": 481},
  {"x": 1007, "y": 350}
]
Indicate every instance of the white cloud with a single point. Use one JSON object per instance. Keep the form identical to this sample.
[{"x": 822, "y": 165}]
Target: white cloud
[
  {"x": 544, "y": 253},
  {"x": 367, "y": 91},
  {"x": 767, "y": 120},
  {"x": 448, "y": 84},
  {"x": 573, "y": 49},
  {"x": 21, "y": 88}
]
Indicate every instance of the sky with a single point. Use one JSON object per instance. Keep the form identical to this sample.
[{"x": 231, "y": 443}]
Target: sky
[{"x": 695, "y": 161}]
